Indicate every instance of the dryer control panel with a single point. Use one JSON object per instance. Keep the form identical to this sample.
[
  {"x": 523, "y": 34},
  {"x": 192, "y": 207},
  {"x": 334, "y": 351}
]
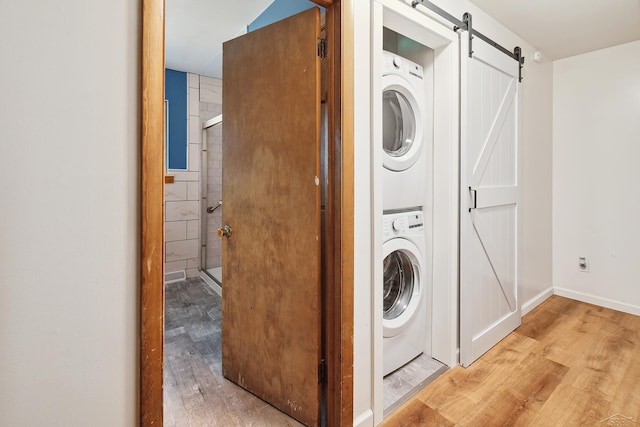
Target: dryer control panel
[
  {"x": 394, "y": 64},
  {"x": 402, "y": 223}
]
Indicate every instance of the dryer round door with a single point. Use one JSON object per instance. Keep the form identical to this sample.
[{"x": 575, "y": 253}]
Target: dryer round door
[
  {"x": 402, "y": 126},
  {"x": 401, "y": 287}
]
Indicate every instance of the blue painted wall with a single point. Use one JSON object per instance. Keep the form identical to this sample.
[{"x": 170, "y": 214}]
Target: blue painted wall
[
  {"x": 176, "y": 84},
  {"x": 175, "y": 91},
  {"x": 278, "y": 10}
]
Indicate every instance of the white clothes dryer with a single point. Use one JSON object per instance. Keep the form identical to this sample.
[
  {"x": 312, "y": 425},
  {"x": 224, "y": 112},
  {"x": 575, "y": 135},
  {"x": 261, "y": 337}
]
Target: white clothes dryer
[
  {"x": 405, "y": 133},
  {"x": 406, "y": 290}
]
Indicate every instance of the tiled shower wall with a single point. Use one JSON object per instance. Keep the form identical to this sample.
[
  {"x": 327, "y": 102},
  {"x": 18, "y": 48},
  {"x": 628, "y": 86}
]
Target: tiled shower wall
[
  {"x": 182, "y": 197},
  {"x": 211, "y": 106}
]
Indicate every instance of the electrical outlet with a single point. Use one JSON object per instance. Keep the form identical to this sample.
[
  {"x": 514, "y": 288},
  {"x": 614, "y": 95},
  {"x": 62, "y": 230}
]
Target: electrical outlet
[{"x": 583, "y": 264}]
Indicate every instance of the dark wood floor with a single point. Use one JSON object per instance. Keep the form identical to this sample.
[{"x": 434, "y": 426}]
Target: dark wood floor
[
  {"x": 569, "y": 364},
  {"x": 195, "y": 392}
]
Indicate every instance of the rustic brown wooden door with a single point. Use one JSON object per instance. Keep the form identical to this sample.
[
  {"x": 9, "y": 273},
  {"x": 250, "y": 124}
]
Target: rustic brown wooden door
[{"x": 271, "y": 298}]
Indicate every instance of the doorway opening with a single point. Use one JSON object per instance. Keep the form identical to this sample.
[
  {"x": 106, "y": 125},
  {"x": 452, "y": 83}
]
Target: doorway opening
[
  {"x": 267, "y": 176},
  {"x": 338, "y": 316}
]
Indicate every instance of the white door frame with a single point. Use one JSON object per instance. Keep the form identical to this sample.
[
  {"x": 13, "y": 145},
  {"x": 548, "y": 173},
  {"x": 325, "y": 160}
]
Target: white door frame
[{"x": 430, "y": 32}]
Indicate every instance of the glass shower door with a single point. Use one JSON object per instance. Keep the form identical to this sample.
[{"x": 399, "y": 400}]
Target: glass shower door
[{"x": 212, "y": 198}]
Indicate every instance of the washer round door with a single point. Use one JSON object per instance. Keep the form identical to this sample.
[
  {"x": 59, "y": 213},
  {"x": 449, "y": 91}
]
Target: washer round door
[
  {"x": 402, "y": 126},
  {"x": 401, "y": 288}
]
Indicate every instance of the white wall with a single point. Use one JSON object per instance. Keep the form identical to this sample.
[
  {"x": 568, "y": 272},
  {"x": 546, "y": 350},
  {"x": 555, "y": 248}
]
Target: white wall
[
  {"x": 596, "y": 174},
  {"x": 69, "y": 232},
  {"x": 536, "y": 120}
]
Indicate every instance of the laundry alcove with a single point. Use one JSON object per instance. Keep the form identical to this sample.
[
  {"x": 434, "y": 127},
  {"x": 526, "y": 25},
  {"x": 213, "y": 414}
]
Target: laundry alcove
[
  {"x": 398, "y": 29},
  {"x": 432, "y": 42}
]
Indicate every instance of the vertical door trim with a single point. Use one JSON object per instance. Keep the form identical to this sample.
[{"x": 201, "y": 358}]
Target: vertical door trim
[
  {"x": 152, "y": 214},
  {"x": 340, "y": 405},
  {"x": 338, "y": 293}
]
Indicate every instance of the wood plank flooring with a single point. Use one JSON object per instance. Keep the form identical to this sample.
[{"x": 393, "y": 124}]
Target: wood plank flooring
[
  {"x": 569, "y": 364},
  {"x": 195, "y": 392}
]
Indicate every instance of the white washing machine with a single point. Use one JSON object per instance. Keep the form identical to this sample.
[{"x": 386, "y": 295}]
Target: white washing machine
[
  {"x": 406, "y": 290},
  {"x": 406, "y": 133}
]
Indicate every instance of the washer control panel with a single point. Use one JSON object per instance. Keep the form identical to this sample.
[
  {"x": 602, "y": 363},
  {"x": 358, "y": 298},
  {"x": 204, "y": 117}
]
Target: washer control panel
[{"x": 402, "y": 223}]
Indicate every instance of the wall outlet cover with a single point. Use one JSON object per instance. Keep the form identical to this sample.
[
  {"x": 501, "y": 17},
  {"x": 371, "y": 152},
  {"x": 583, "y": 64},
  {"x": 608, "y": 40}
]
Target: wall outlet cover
[{"x": 583, "y": 265}]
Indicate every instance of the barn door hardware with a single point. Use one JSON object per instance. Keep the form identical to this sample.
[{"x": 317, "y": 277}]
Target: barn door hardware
[
  {"x": 455, "y": 21},
  {"x": 473, "y": 195},
  {"x": 468, "y": 20},
  {"x": 467, "y": 25},
  {"x": 518, "y": 54}
]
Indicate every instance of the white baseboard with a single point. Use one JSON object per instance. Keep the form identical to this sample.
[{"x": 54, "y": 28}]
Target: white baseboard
[
  {"x": 364, "y": 420},
  {"x": 596, "y": 300},
  {"x": 536, "y": 301}
]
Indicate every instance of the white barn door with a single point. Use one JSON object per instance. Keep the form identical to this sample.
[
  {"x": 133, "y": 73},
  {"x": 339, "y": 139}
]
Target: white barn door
[{"x": 489, "y": 307}]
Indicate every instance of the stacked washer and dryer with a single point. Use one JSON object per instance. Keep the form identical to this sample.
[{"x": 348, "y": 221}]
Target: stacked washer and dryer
[{"x": 406, "y": 184}]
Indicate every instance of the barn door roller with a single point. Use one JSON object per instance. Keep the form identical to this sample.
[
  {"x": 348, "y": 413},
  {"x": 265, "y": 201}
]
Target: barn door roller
[{"x": 467, "y": 25}]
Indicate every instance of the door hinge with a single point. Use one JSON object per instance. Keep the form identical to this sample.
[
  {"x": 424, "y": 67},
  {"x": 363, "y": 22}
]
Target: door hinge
[
  {"x": 322, "y": 372},
  {"x": 322, "y": 48}
]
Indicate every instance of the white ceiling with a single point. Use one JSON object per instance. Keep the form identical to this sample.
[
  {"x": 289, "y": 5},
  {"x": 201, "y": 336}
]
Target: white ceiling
[
  {"x": 196, "y": 29},
  {"x": 563, "y": 28}
]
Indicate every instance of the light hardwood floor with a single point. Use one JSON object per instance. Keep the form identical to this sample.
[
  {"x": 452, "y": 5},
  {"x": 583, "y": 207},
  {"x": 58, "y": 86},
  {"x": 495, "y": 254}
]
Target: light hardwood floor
[{"x": 569, "y": 364}]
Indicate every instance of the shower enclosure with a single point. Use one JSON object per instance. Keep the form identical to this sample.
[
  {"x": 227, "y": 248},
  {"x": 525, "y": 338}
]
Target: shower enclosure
[
  {"x": 211, "y": 192},
  {"x": 211, "y": 179}
]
